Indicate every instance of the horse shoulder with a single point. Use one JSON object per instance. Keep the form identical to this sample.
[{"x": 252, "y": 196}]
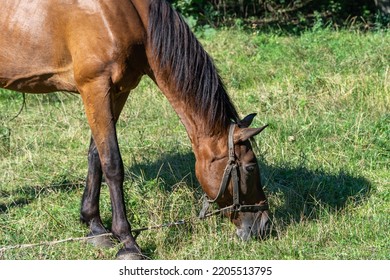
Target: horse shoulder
[{"x": 111, "y": 44}]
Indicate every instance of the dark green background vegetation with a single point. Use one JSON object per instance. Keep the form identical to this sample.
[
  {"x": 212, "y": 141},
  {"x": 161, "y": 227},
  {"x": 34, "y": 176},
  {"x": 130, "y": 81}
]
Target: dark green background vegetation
[{"x": 293, "y": 14}]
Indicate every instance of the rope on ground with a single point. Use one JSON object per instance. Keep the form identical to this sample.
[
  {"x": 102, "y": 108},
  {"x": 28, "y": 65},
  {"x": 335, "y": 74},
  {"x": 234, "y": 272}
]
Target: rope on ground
[
  {"x": 136, "y": 232},
  {"x": 50, "y": 243}
]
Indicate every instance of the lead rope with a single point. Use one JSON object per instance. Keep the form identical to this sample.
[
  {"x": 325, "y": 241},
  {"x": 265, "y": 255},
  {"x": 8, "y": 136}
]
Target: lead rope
[
  {"x": 21, "y": 108},
  {"x": 135, "y": 232},
  {"x": 190, "y": 220}
]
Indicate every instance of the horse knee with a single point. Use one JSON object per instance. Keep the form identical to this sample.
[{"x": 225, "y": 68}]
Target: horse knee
[{"x": 113, "y": 170}]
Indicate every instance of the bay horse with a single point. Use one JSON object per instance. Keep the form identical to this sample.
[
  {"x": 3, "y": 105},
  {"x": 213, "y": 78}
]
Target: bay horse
[{"x": 100, "y": 50}]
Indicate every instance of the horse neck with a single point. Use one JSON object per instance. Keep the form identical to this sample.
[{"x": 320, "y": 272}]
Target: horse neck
[
  {"x": 195, "y": 127},
  {"x": 185, "y": 73},
  {"x": 205, "y": 145}
]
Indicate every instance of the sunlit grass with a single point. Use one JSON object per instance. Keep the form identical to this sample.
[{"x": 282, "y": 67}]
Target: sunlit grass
[{"x": 324, "y": 159}]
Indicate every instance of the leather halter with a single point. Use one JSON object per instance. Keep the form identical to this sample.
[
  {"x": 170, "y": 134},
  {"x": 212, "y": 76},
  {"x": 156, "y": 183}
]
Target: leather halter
[{"x": 231, "y": 173}]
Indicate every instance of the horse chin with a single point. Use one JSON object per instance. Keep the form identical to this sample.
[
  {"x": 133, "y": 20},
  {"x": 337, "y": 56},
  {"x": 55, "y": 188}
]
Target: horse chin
[
  {"x": 243, "y": 234},
  {"x": 256, "y": 225}
]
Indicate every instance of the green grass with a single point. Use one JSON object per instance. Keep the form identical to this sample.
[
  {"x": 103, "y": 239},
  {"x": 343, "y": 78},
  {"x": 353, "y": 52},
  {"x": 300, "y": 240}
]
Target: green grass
[{"x": 324, "y": 159}]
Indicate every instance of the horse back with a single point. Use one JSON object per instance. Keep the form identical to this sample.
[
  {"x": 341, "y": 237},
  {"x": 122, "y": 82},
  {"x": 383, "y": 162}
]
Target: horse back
[{"x": 53, "y": 45}]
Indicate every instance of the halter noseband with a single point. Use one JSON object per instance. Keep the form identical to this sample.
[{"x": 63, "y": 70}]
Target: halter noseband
[{"x": 231, "y": 172}]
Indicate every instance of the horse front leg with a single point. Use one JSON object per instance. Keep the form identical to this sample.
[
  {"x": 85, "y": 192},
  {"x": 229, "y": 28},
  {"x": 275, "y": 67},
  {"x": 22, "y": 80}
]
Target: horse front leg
[
  {"x": 90, "y": 213},
  {"x": 100, "y": 107}
]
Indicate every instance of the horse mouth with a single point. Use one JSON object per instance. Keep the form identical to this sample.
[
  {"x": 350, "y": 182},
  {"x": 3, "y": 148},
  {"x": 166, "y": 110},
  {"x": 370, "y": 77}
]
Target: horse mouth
[{"x": 258, "y": 227}]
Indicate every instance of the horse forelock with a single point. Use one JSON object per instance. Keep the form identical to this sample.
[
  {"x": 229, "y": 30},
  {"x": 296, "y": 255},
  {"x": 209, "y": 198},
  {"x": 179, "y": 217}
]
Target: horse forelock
[{"x": 189, "y": 68}]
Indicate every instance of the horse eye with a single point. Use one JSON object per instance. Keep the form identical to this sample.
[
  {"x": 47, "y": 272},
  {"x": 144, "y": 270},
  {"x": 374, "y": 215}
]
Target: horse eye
[{"x": 250, "y": 168}]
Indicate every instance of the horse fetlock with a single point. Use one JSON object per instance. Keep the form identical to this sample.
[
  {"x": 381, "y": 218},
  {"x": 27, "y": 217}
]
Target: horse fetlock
[{"x": 89, "y": 215}]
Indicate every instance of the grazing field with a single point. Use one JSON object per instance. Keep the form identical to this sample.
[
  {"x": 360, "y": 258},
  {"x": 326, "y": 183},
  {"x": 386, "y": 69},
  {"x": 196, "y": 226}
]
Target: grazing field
[{"x": 324, "y": 159}]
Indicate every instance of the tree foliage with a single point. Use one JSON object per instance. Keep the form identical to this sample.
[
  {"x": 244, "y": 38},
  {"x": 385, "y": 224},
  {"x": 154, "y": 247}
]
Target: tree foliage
[{"x": 284, "y": 12}]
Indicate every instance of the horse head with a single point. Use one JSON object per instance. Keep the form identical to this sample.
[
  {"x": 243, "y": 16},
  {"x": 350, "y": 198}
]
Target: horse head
[{"x": 229, "y": 173}]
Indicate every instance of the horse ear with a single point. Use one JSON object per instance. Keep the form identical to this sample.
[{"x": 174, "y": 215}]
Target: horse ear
[
  {"x": 247, "y": 121},
  {"x": 244, "y": 134}
]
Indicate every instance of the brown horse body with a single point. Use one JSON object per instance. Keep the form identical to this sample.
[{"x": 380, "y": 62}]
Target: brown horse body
[{"x": 101, "y": 49}]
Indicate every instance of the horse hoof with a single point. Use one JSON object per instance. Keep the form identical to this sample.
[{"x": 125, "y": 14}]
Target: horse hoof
[
  {"x": 130, "y": 254},
  {"x": 101, "y": 241}
]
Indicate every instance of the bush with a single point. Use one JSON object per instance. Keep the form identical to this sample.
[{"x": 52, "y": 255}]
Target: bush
[{"x": 303, "y": 13}]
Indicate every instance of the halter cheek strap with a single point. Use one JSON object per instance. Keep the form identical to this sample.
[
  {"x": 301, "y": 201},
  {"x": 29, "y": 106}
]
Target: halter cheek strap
[
  {"x": 230, "y": 169},
  {"x": 231, "y": 173}
]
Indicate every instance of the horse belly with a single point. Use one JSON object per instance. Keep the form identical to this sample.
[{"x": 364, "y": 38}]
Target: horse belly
[
  {"x": 32, "y": 56},
  {"x": 37, "y": 81}
]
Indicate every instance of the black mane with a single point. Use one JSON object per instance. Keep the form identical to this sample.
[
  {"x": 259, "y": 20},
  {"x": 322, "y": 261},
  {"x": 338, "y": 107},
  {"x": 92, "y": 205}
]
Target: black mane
[{"x": 191, "y": 70}]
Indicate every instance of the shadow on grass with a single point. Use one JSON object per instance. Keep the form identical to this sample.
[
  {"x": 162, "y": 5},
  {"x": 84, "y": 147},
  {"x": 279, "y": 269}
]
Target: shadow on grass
[
  {"x": 303, "y": 193},
  {"x": 27, "y": 194},
  {"x": 294, "y": 192},
  {"x": 172, "y": 168}
]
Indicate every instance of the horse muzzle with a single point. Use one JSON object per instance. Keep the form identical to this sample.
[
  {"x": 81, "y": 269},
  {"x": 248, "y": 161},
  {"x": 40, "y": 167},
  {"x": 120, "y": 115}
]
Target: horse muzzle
[{"x": 256, "y": 225}]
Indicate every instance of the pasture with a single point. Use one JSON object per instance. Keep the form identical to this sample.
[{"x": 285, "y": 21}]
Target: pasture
[{"x": 324, "y": 159}]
